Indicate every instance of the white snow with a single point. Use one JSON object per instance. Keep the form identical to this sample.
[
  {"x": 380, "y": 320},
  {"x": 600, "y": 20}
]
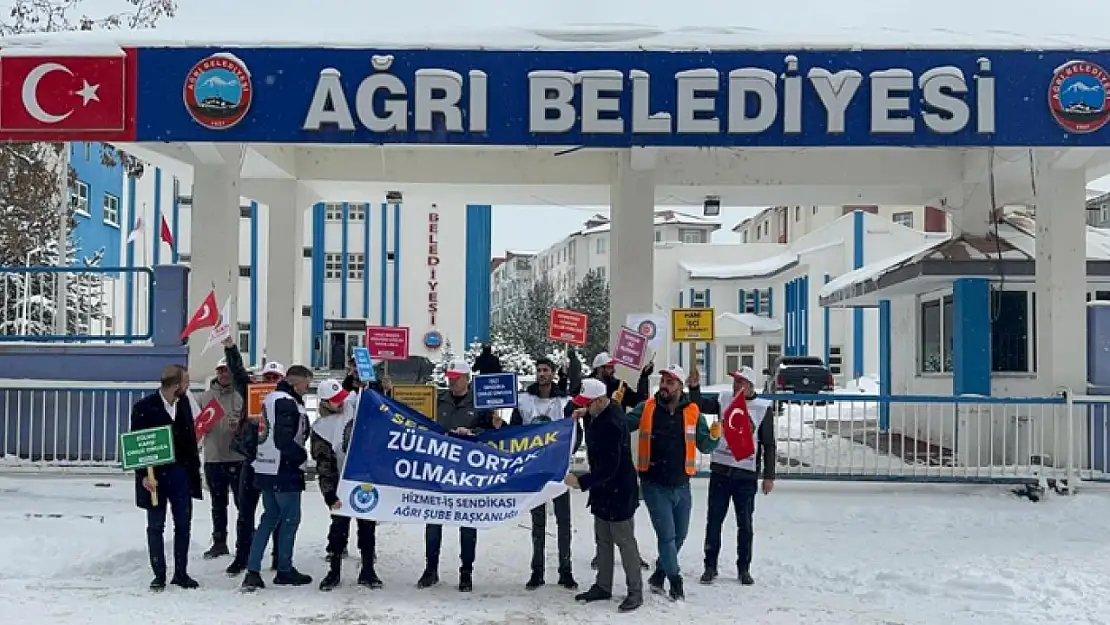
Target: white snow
[
  {"x": 826, "y": 554},
  {"x": 582, "y": 24}
]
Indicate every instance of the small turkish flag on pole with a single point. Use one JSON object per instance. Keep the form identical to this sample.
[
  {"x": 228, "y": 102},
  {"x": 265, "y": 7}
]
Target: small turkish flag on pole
[
  {"x": 737, "y": 430},
  {"x": 209, "y": 416},
  {"x": 206, "y": 316},
  {"x": 167, "y": 236}
]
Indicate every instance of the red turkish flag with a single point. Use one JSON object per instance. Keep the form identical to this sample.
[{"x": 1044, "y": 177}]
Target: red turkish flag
[
  {"x": 167, "y": 236},
  {"x": 207, "y": 316},
  {"x": 44, "y": 95},
  {"x": 737, "y": 428},
  {"x": 209, "y": 416}
]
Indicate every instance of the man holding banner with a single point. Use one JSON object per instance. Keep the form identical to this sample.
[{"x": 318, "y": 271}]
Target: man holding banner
[{"x": 403, "y": 467}]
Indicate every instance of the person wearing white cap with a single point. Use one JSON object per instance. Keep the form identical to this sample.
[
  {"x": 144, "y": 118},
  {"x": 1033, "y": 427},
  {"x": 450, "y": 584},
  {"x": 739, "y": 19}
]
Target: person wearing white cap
[
  {"x": 604, "y": 369},
  {"x": 455, "y": 412},
  {"x": 614, "y": 494},
  {"x": 735, "y": 479},
  {"x": 223, "y": 463},
  {"x": 330, "y": 439},
  {"x": 671, "y": 433}
]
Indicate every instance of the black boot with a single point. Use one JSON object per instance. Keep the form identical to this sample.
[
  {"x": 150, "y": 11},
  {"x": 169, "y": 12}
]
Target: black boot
[
  {"x": 237, "y": 566},
  {"x": 595, "y": 593},
  {"x": 252, "y": 581},
  {"x": 218, "y": 548},
  {"x": 535, "y": 581},
  {"x": 331, "y": 580},
  {"x": 466, "y": 581},
  {"x": 367, "y": 576},
  {"x": 709, "y": 575},
  {"x": 182, "y": 580},
  {"x": 273, "y": 560},
  {"x": 158, "y": 584},
  {"x": 630, "y": 603},
  {"x": 677, "y": 593},
  {"x": 292, "y": 578},
  {"x": 429, "y": 578},
  {"x": 746, "y": 578},
  {"x": 566, "y": 580},
  {"x": 655, "y": 582}
]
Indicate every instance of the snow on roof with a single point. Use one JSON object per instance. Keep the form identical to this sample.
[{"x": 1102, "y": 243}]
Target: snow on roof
[
  {"x": 662, "y": 218},
  {"x": 519, "y": 253},
  {"x": 755, "y": 323},
  {"x": 876, "y": 270},
  {"x": 1020, "y": 230},
  {"x": 754, "y": 269},
  {"x": 687, "y": 25}
]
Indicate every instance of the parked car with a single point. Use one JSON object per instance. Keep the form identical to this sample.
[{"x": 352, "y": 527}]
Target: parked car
[{"x": 800, "y": 375}]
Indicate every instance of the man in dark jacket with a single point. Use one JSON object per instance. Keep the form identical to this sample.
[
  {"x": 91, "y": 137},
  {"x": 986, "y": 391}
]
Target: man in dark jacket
[
  {"x": 222, "y": 463},
  {"x": 279, "y": 473},
  {"x": 176, "y": 484},
  {"x": 613, "y": 494},
  {"x": 671, "y": 432},
  {"x": 246, "y": 444},
  {"x": 487, "y": 362},
  {"x": 455, "y": 413}
]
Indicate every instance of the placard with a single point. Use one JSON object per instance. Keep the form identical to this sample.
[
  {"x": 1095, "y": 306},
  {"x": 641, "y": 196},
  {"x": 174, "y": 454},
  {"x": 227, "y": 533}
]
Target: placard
[
  {"x": 567, "y": 326},
  {"x": 146, "y": 448},
  {"x": 692, "y": 325},
  {"x": 629, "y": 348},
  {"x": 388, "y": 342},
  {"x": 420, "y": 397},
  {"x": 495, "y": 390},
  {"x": 256, "y": 395},
  {"x": 364, "y": 364}
]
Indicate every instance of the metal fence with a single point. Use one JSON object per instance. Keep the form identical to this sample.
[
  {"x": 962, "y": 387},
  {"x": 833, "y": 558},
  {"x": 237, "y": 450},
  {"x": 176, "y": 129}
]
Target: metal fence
[
  {"x": 31, "y": 307},
  {"x": 1094, "y": 414}
]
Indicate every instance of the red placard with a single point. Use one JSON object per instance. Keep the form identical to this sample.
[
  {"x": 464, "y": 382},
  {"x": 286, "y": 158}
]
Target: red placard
[
  {"x": 388, "y": 342},
  {"x": 209, "y": 416},
  {"x": 67, "y": 97},
  {"x": 567, "y": 326},
  {"x": 630, "y": 348}
]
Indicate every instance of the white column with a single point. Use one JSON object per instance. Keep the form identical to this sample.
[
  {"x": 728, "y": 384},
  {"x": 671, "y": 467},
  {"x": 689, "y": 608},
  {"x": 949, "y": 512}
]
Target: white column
[
  {"x": 286, "y": 201},
  {"x": 971, "y": 210},
  {"x": 1061, "y": 280},
  {"x": 632, "y": 240},
  {"x": 215, "y": 247}
]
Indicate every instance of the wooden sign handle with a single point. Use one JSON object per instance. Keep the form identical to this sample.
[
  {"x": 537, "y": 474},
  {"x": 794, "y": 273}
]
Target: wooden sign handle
[{"x": 154, "y": 492}]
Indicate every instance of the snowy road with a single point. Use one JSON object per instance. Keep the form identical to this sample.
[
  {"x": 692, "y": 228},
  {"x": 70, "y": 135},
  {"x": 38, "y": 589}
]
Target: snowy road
[{"x": 837, "y": 554}]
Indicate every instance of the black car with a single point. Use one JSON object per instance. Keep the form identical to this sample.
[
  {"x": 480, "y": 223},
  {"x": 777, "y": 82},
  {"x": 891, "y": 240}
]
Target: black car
[{"x": 800, "y": 375}]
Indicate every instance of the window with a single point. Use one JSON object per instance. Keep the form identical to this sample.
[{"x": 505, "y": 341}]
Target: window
[
  {"x": 747, "y": 356},
  {"x": 903, "y": 219},
  {"x": 744, "y": 236},
  {"x": 601, "y": 271},
  {"x": 602, "y": 243},
  {"x": 245, "y": 212},
  {"x": 658, "y": 235},
  {"x": 244, "y": 271},
  {"x": 79, "y": 198},
  {"x": 306, "y": 311},
  {"x": 184, "y": 258},
  {"x": 936, "y": 335},
  {"x": 699, "y": 298},
  {"x": 690, "y": 235},
  {"x": 306, "y": 253},
  {"x": 764, "y": 302},
  {"x": 814, "y": 210},
  {"x": 356, "y": 266},
  {"x": 333, "y": 211},
  {"x": 356, "y": 212},
  {"x": 245, "y": 341},
  {"x": 333, "y": 266},
  {"x": 111, "y": 209},
  {"x": 797, "y": 213},
  {"x": 836, "y": 359},
  {"x": 774, "y": 352},
  {"x": 87, "y": 148},
  {"x": 1010, "y": 331}
]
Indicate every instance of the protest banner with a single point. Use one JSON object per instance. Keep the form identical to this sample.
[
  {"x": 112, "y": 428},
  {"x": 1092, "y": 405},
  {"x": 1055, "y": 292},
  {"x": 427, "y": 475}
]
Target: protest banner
[
  {"x": 146, "y": 449},
  {"x": 365, "y": 365},
  {"x": 388, "y": 342},
  {"x": 495, "y": 390},
  {"x": 629, "y": 348},
  {"x": 567, "y": 326},
  {"x": 256, "y": 394},
  {"x": 403, "y": 467},
  {"x": 692, "y": 325},
  {"x": 653, "y": 327},
  {"x": 420, "y": 397}
]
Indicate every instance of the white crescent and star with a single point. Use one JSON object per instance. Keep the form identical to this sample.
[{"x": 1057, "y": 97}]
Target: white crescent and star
[{"x": 87, "y": 93}]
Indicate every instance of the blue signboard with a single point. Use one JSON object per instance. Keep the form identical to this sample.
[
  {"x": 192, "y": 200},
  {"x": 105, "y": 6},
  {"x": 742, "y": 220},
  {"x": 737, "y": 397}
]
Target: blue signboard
[
  {"x": 365, "y": 365},
  {"x": 612, "y": 99},
  {"x": 494, "y": 390}
]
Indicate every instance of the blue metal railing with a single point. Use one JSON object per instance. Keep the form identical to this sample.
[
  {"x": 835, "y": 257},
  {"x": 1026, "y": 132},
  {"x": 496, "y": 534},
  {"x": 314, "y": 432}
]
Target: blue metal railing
[{"x": 28, "y": 311}]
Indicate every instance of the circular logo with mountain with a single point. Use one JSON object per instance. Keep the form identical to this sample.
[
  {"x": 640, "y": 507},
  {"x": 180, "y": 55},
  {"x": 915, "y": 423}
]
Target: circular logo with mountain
[
  {"x": 263, "y": 428},
  {"x": 218, "y": 91},
  {"x": 1078, "y": 97}
]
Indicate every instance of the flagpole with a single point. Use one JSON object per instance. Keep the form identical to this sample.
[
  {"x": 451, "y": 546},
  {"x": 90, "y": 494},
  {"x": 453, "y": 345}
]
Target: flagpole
[{"x": 61, "y": 304}]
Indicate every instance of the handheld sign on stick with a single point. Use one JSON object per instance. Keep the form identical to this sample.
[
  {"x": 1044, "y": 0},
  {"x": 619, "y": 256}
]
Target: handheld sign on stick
[{"x": 147, "y": 449}]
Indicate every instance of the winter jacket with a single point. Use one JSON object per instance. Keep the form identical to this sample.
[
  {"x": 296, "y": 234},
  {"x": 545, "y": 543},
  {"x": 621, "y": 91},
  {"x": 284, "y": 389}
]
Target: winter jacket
[
  {"x": 286, "y": 422},
  {"x": 150, "y": 412},
  {"x": 218, "y": 443},
  {"x": 455, "y": 412},
  {"x": 668, "y": 441},
  {"x": 614, "y": 493},
  {"x": 766, "y": 457},
  {"x": 331, "y": 429},
  {"x": 487, "y": 363},
  {"x": 532, "y": 408}
]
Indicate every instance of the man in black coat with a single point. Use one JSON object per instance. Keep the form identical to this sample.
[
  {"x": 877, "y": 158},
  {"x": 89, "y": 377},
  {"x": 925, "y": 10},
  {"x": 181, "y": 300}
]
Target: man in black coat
[
  {"x": 176, "y": 484},
  {"x": 614, "y": 493}
]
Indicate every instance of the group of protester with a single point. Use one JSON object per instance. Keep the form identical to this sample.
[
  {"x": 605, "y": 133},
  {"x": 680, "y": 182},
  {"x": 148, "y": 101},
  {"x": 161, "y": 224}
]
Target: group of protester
[{"x": 246, "y": 461}]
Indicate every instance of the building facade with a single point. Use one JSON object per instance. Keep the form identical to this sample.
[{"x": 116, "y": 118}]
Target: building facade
[
  {"x": 785, "y": 224},
  {"x": 364, "y": 263},
  {"x": 509, "y": 282}
]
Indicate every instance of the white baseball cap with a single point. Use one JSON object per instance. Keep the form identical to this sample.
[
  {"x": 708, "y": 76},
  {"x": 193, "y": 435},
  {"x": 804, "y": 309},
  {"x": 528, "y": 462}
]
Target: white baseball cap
[
  {"x": 222, "y": 364},
  {"x": 331, "y": 390},
  {"x": 591, "y": 390},
  {"x": 274, "y": 368},
  {"x": 457, "y": 369},
  {"x": 603, "y": 360},
  {"x": 675, "y": 372},
  {"x": 745, "y": 373}
]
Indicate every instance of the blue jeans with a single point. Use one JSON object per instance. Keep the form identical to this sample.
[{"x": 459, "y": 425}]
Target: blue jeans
[
  {"x": 669, "y": 509},
  {"x": 278, "y": 508}
]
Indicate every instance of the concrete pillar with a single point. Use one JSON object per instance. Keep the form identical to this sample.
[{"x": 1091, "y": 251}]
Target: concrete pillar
[
  {"x": 971, "y": 337},
  {"x": 282, "y": 268},
  {"x": 215, "y": 245},
  {"x": 1061, "y": 280},
  {"x": 970, "y": 209},
  {"x": 632, "y": 240}
]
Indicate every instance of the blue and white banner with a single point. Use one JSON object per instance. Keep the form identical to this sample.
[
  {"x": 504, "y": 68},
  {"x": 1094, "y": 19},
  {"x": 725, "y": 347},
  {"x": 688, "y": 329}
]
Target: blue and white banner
[{"x": 403, "y": 467}]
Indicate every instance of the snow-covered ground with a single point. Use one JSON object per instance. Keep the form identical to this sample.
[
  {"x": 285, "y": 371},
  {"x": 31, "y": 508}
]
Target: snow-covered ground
[{"x": 827, "y": 554}]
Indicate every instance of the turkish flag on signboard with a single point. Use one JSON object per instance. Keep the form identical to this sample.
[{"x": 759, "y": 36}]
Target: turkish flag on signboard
[
  {"x": 207, "y": 316},
  {"x": 209, "y": 416},
  {"x": 737, "y": 428},
  {"x": 57, "y": 94}
]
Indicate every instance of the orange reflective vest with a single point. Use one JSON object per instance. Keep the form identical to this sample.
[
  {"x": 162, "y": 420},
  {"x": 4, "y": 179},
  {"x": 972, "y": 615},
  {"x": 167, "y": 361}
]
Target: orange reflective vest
[{"x": 690, "y": 426}]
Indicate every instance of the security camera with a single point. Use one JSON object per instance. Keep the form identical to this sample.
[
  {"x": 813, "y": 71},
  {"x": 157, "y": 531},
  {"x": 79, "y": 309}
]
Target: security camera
[{"x": 712, "y": 206}]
